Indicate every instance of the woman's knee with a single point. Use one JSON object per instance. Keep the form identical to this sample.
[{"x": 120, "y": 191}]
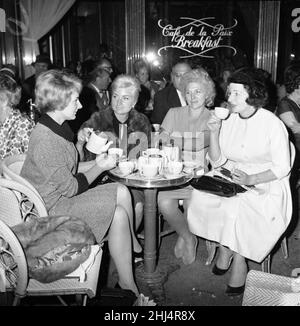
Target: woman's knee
[
  {"x": 123, "y": 193},
  {"x": 120, "y": 216},
  {"x": 139, "y": 207},
  {"x": 166, "y": 204}
]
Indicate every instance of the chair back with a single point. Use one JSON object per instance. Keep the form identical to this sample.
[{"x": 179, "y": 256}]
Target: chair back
[
  {"x": 13, "y": 261},
  {"x": 11, "y": 169},
  {"x": 10, "y": 211},
  {"x": 264, "y": 289},
  {"x": 17, "y": 202}
]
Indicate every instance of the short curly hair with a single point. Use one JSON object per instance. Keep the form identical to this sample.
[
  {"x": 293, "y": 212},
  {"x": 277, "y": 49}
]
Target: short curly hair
[
  {"x": 292, "y": 77},
  {"x": 139, "y": 64},
  {"x": 254, "y": 83},
  {"x": 201, "y": 77},
  {"x": 54, "y": 88},
  {"x": 10, "y": 91}
]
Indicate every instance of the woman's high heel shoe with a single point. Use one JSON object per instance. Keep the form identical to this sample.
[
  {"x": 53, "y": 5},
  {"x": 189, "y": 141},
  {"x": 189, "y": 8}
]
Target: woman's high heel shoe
[
  {"x": 138, "y": 258},
  {"x": 220, "y": 271},
  {"x": 235, "y": 290}
]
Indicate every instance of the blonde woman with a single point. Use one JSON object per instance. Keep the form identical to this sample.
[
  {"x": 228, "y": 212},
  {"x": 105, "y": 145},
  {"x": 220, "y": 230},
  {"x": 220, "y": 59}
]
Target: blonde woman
[
  {"x": 188, "y": 124},
  {"x": 51, "y": 166}
]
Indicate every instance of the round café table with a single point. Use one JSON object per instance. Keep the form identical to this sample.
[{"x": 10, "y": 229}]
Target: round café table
[{"x": 149, "y": 272}]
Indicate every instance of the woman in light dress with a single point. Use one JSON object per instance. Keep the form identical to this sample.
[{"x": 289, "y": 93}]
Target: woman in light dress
[
  {"x": 253, "y": 143},
  {"x": 188, "y": 127}
]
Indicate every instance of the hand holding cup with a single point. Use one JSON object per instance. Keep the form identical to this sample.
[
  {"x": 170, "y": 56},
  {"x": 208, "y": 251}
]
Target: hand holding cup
[
  {"x": 221, "y": 113},
  {"x": 105, "y": 162}
]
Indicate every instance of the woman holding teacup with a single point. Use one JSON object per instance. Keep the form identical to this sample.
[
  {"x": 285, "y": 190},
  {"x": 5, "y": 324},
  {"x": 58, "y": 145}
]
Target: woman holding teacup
[
  {"x": 125, "y": 126},
  {"x": 253, "y": 143},
  {"x": 121, "y": 122},
  {"x": 187, "y": 125},
  {"x": 51, "y": 166}
]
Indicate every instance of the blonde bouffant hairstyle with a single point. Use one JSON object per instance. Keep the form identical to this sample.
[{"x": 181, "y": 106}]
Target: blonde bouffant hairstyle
[
  {"x": 127, "y": 81},
  {"x": 201, "y": 77},
  {"x": 54, "y": 88}
]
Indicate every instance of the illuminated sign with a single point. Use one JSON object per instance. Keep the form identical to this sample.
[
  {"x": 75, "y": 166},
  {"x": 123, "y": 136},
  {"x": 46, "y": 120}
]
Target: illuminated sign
[
  {"x": 296, "y": 21},
  {"x": 197, "y": 37}
]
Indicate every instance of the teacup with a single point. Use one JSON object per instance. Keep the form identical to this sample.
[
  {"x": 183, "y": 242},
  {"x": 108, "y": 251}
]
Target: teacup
[
  {"x": 96, "y": 142},
  {"x": 149, "y": 170},
  {"x": 175, "y": 167},
  {"x": 156, "y": 126},
  {"x": 114, "y": 151},
  {"x": 156, "y": 159},
  {"x": 126, "y": 167},
  {"x": 171, "y": 152},
  {"x": 221, "y": 113},
  {"x": 151, "y": 151},
  {"x": 141, "y": 161},
  {"x": 189, "y": 166}
]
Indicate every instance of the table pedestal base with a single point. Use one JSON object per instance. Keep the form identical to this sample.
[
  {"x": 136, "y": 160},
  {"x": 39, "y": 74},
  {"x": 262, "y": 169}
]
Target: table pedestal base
[
  {"x": 157, "y": 276},
  {"x": 152, "y": 284}
]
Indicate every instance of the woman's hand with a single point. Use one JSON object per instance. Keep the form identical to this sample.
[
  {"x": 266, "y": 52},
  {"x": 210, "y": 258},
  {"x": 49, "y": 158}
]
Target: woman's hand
[
  {"x": 105, "y": 148},
  {"x": 83, "y": 135},
  {"x": 241, "y": 178},
  {"x": 105, "y": 162},
  {"x": 295, "y": 128},
  {"x": 214, "y": 123}
]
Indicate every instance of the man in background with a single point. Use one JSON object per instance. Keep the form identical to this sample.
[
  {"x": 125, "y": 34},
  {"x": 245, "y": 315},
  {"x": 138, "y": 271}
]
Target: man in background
[
  {"x": 42, "y": 63},
  {"x": 93, "y": 97},
  {"x": 170, "y": 96}
]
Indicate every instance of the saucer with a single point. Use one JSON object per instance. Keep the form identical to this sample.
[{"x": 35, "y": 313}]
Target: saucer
[
  {"x": 191, "y": 165},
  {"x": 118, "y": 172},
  {"x": 173, "y": 176},
  {"x": 158, "y": 176}
]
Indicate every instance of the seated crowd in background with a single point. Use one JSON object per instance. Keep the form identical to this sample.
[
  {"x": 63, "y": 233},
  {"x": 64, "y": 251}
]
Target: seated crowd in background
[
  {"x": 148, "y": 87},
  {"x": 124, "y": 107}
]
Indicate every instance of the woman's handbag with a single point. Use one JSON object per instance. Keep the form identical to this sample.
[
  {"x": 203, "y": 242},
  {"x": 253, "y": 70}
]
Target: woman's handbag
[{"x": 216, "y": 185}]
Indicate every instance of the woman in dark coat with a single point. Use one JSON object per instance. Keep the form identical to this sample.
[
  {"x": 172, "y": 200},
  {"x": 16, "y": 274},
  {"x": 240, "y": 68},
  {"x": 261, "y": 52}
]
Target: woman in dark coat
[{"x": 126, "y": 127}]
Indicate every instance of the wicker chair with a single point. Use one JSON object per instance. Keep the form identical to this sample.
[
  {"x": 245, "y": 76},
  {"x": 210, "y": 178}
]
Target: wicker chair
[
  {"x": 16, "y": 203},
  {"x": 263, "y": 289},
  {"x": 11, "y": 167}
]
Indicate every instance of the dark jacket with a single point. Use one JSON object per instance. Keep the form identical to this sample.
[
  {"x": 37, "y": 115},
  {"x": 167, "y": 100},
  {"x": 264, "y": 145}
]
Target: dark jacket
[
  {"x": 91, "y": 102},
  {"x": 106, "y": 121},
  {"x": 164, "y": 100},
  {"x": 27, "y": 93}
]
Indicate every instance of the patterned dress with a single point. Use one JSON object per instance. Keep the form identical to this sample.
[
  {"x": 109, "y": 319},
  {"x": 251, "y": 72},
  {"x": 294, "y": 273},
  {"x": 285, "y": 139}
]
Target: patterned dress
[{"x": 14, "y": 134}]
